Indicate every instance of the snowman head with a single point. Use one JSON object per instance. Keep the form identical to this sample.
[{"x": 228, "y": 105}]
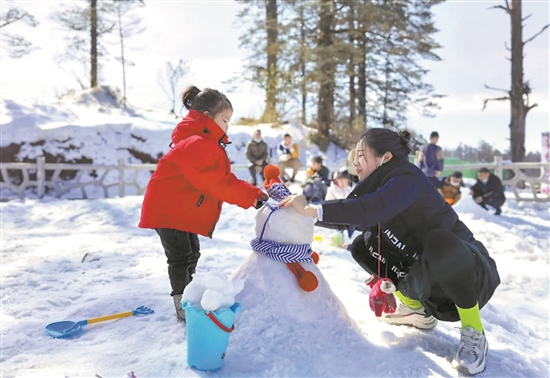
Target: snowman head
[{"x": 283, "y": 226}]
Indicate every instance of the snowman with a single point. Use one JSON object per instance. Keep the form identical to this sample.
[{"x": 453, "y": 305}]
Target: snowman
[{"x": 288, "y": 307}]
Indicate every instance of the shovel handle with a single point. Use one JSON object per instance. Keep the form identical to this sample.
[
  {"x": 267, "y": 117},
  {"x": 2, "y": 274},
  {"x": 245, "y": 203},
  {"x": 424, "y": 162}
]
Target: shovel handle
[{"x": 110, "y": 317}]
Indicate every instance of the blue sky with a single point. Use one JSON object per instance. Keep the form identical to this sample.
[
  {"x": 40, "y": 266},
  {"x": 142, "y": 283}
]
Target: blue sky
[{"x": 204, "y": 32}]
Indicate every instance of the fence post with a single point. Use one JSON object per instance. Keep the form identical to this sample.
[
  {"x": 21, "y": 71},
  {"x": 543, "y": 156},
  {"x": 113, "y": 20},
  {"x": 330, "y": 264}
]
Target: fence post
[
  {"x": 40, "y": 176},
  {"x": 498, "y": 166},
  {"x": 121, "y": 179}
]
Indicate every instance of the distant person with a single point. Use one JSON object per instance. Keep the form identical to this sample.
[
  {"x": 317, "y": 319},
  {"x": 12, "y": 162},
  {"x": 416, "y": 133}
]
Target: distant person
[
  {"x": 185, "y": 193},
  {"x": 256, "y": 153},
  {"x": 341, "y": 186},
  {"x": 450, "y": 188},
  {"x": 488, "y": 190},
  {"x": 340, "y": 189},
  {"x": 289, "y": 157},
  {"x": 317, "y": 180},
  {"x": 430, "y": 159}
]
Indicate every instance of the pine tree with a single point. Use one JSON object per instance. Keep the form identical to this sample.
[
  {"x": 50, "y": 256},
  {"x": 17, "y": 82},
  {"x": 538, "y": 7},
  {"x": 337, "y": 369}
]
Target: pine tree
[{"x": 88, "y": 20}]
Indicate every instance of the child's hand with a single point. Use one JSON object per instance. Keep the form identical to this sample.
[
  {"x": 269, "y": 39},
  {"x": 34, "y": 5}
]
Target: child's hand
[{"x": 258, "y": 202}]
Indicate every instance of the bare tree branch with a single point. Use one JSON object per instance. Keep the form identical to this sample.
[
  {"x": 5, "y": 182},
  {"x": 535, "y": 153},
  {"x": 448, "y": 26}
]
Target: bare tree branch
[
  {"x": 526, "y": 17},
  {"x": 506, "y": 46},
  {"x": 494, "y": 99},
  {"x": 536, "y": 35},
  {"x": 531, "y": 107},
  {"x": 507, "y": 10},
  {"x": 14, "y": 15},
  {"x": 496, "y": 89}
]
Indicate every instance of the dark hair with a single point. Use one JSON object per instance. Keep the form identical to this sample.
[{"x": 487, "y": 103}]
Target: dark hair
[
  {"x": 434, "y": 134},
  {"x": 342, "y": 173},
  {"x": 457, "y": 174},
  {"x": 483, "y": 170},
  {"x": 317, "y": 159},
  {"x": 287, "y": 135},
  {"x": 257, "y": 131},
  {"x": 385, "y": 140},
  {"x": 207, "y": 100}
]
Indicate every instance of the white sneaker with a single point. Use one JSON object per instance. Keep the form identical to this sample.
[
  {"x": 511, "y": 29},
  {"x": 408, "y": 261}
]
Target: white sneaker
[
  {"x": 404, "y": 315},
  {"x": 470, "y": 357}
]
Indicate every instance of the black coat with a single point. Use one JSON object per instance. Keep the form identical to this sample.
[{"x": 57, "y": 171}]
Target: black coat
[
  {"x": 492, "y": 190},
  {"x": 402, "y": 199}
]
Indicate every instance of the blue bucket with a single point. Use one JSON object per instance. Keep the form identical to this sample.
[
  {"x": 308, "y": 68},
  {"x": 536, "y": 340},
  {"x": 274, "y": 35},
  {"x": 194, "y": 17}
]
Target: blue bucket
[{"x": 207, "y": 335}]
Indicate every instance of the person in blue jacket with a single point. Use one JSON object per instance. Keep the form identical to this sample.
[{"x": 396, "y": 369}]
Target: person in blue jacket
[
  {"x": 430, "y": 159},
  {"x": 440, "y": 270}
]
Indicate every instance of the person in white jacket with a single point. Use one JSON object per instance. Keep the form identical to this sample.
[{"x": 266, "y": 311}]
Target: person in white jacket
[
  {"x": 340, "y": 189},
  {"x": 341, "y": 186}
]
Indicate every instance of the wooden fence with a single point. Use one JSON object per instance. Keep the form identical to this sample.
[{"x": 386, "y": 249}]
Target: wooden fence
[{"x": 45, "y": 178}]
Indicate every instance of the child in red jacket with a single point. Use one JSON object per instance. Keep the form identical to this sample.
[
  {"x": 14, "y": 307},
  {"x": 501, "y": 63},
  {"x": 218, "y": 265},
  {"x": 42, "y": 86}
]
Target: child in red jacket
[{"x": 185, "y": 193}]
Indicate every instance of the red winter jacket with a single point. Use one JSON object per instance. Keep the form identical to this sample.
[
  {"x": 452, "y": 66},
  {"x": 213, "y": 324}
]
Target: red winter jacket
[{"x": 193, "y": 179}]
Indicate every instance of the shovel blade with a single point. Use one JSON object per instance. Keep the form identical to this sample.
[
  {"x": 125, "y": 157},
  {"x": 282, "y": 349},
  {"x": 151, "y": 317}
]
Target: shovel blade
[{"x": 65, "y": 328}]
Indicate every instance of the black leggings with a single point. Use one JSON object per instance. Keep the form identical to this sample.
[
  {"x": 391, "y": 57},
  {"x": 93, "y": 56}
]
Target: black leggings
[
  {"x": 446, "y": 262},
  {"x": 182, "y": 253}
]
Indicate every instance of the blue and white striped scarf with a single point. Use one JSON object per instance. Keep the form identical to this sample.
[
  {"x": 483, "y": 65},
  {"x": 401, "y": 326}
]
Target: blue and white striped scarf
[{"x": 282, "y": 252}]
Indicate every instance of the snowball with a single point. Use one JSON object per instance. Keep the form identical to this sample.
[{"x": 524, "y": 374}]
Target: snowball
[
  {"x": 193, "y": 292},
  {"x": 213, "y": 282},
  {"x": 388, "y": 337},
  {"x": 211, "y": 300},
  {"x": 212, "y": 291}
]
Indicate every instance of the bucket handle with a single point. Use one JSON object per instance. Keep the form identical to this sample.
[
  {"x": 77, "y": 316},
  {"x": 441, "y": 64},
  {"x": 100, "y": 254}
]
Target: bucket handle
[{"x": 218, "y": 323}]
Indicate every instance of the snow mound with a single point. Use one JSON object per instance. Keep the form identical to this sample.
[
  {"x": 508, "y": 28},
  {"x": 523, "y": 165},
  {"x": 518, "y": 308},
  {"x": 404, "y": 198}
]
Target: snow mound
[
  {"x": 283, "y": 324},
  {"x": 103, "y": 98}
]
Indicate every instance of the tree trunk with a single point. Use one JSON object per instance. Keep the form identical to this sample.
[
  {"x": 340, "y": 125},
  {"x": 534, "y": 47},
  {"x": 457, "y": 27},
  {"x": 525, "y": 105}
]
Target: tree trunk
[
  {"x": 362, "y": 83},
  {"x": 270, "y": 113},
  {"x": 518, "y": 108},
  {"x": 122, "y": 61},
  {"x": 303, "y": 82},
  {"x": 93, "y": 44},
  {"x": 351, "y": 65},
  {"x": 386, "y": 122},
  {"x": 327, "y": 68}
]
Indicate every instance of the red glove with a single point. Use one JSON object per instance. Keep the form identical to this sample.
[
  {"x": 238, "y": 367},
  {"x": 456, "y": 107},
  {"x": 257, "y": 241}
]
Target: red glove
[{"x": 381, "y": 298}]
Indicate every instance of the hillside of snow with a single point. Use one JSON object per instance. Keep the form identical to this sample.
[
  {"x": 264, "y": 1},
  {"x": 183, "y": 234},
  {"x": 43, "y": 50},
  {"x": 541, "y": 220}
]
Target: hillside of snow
[
  {"x": 73, "y": 260},
  {"x": 91, "y": 127}
]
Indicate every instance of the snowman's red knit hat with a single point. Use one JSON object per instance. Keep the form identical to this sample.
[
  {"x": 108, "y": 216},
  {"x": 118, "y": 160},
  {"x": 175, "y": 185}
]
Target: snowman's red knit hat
[{"x": 275, "y": 188}]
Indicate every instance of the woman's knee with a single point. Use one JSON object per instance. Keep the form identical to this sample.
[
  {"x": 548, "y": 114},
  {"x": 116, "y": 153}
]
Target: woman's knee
[{"x": 443, "y": 248}]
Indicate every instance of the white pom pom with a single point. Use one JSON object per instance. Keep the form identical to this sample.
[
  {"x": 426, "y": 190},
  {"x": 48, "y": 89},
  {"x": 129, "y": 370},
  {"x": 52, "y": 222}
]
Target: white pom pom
[{"x": 387, "y": 287}]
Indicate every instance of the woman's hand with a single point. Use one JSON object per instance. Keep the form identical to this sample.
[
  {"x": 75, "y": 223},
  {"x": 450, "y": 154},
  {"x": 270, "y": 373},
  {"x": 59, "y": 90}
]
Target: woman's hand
[{"x": 299, "y": 203}]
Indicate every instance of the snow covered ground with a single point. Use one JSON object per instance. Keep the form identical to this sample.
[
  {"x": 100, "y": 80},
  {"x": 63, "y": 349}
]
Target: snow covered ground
[{"x": 72, "y": 260}]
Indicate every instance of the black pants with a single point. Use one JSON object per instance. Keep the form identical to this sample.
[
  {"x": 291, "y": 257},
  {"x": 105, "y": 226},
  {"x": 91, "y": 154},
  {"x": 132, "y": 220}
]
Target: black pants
[
  {"x": 450, "y": 272},
  {"x": 493, "y": 202},
  {"x": 182, "y": 253},
  {"x": 252, "y": 170}
]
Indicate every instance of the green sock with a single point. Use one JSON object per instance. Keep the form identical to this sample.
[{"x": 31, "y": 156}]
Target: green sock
[
  {"x": 411, "y": 303},
  {"x": 470, "y": 317}
]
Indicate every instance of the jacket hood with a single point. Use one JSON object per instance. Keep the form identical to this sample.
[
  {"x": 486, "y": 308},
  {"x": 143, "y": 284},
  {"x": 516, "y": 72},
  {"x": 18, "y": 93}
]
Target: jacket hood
[{"x": 196, "y": 123}]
